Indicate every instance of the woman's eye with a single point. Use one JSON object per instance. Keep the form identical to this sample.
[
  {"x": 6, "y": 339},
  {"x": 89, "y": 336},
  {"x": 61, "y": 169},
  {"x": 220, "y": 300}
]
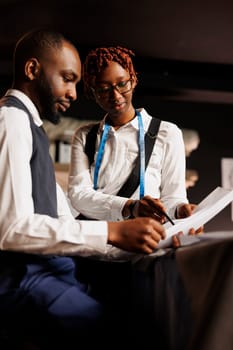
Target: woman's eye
[{"x": 122, "y": 84}]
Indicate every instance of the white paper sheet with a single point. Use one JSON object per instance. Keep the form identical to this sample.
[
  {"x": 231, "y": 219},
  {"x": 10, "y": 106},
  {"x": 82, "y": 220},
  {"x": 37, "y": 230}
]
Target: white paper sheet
[{"x": 210, "y": 206}]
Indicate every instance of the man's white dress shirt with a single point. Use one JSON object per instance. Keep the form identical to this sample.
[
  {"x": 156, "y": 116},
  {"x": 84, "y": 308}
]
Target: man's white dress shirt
[{"x": 20, "y": 228}]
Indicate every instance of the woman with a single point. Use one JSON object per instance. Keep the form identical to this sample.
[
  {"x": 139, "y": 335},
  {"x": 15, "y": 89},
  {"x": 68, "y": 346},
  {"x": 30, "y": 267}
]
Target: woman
[
  {"x": 110, "y": 78},
  {"x": 95, "y": 189}
]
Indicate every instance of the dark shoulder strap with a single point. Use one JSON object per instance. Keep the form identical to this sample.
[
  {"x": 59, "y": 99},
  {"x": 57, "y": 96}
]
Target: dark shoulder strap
[
  {"x": 150, "y": 138},
  {"x": 131, "y": 184},
  {"x": 90, "y": 142}
]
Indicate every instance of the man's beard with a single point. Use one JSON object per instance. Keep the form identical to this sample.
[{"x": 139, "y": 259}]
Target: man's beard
[{"x": 47, "y": 101}]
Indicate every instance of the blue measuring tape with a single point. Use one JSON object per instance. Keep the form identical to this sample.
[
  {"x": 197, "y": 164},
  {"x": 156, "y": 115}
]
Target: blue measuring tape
[
  {"x": 141, "y": 153},
  {"x": 100, "y": 153}
]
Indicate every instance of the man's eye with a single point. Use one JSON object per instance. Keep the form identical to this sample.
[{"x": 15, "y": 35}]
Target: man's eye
[{"x": 67, "y": 79}]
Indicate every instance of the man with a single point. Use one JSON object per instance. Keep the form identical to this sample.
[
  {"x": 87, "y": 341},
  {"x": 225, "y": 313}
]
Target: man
[{"x": 38, "y": 285}]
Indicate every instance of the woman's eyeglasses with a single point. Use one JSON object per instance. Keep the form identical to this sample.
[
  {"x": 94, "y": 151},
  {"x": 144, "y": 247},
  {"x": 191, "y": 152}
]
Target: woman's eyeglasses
[{"x": 122, "y": 87}]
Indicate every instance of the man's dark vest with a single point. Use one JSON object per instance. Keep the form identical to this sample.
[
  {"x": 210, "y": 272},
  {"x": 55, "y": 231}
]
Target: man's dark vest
[{"x": 43, "y": 177}]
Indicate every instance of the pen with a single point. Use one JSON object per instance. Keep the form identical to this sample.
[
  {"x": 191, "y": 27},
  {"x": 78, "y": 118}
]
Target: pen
[{"x": 161, "y": 212}]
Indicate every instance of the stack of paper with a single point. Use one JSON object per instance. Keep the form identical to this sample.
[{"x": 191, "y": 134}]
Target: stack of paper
[{"x": 216, "y": 201}]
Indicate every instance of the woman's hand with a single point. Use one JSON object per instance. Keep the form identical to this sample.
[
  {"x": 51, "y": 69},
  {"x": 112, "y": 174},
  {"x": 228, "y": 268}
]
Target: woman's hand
[
  {"x": 186, "y": 210},
  {"x": 149, "y": 207},
  {"x": 176, "y": 238}
]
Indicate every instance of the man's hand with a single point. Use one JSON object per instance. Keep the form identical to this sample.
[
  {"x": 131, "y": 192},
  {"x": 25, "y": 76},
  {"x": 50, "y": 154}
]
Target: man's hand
[{"x": 140, "y": 235}]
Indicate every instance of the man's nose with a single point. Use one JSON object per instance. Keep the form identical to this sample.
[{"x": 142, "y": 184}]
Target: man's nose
[{"x": 72, "y": 93}]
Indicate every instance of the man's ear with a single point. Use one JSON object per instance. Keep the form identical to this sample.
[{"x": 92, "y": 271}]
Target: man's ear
[{"x": 32, "y": 68}]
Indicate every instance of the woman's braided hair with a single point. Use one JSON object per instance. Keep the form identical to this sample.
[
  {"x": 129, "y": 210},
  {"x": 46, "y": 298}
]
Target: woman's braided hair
[{"x": 99, "y": 58}]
